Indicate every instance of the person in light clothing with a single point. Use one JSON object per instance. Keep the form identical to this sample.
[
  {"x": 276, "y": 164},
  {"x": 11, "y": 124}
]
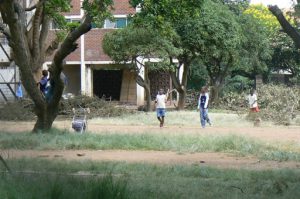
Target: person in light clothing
[
  {"x": 160, "y": 102},
  {"x": 252, "y": 98},
  {"x": 203, "y": 106}
]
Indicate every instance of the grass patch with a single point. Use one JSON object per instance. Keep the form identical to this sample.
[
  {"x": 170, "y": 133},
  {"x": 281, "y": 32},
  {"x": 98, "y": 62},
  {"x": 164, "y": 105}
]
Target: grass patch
[
  {"x": 61, "y": 140},
  {"x": 122, "y": 180},
  {"x": 178, "y": 118}
]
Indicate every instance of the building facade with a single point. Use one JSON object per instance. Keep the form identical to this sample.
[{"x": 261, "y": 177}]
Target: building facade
[{"x": 89, "y": 70}]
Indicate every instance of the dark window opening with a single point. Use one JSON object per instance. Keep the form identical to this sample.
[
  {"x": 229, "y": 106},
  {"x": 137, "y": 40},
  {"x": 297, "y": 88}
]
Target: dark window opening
[{"x": 107, "y": 84}]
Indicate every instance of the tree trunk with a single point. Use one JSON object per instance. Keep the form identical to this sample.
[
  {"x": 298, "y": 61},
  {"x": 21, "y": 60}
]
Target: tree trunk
[
  {"x": 45, "y": 119},
  {"x": 148, "y": 98},
  {"x": 181, "y": 100},
  {"x": 216, "y": 87},
  {"x": 180, "y": 86},
  {"x": 214, "y": 96},
  {"x": 145, "y": 83}
]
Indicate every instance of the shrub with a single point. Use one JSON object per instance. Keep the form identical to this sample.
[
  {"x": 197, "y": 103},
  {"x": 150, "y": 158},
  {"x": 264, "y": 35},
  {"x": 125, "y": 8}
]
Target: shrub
[{"x": 278, "y": 103}]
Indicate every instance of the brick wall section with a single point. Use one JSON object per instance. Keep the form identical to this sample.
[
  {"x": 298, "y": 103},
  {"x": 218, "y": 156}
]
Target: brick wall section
[
  {"x": 93, "y": 39},
  {"x": 75, "y": 9},
  {"x": 122, "y": 7},
  {"x": 74, "y": 56},
  {"x": 93, "y": 45}
]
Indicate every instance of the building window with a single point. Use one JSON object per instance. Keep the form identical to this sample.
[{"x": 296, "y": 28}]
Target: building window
[
  {"x": 55, "y": 26},
  {"x": 109, "y": 24},
  {"x": 118, "y": 22},
  {"x": 3, "y": 40}
]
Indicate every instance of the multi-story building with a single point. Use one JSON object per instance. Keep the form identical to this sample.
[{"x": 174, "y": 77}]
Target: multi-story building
[{"x": 91, "y": 72}]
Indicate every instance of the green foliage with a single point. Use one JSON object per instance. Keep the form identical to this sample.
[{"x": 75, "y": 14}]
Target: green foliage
[
  {"x": 131, "y": 43},
  {"x": 255, "y": 50},
  {"x": 162, "y": 15},
  {"x": 57, "y": 186},
  {"x": 54, "y": 10},
  {"x": 237, "y": 84},
  {"x": 63, "y": 140},
  {"x": 198, "y": 76},
  {"x": 147, "y": 181},
  {"x": 98, "y": 9},
  {"x": 286, "y": 56},
  {"x": 264, "y": 17}
]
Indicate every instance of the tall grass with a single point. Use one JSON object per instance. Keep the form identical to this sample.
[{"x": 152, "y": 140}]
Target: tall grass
[
  {"x": 144, "y": 181},
  {"x": 62, "y": 187},
  {"x": 61, "y": 140},
  {"x": 179, "y": 118}
]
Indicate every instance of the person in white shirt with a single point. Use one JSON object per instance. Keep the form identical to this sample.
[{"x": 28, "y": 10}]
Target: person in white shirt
[
  {"x": 252, "y": 98},
  {"x": 203, "y": 106},
  {"x": 160, "y": 102}
]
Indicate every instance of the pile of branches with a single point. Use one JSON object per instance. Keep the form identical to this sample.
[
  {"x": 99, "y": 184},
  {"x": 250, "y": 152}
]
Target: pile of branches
[
  {"x": 23, "y": 110},
  {"x": 279, "y": 103},
  {"x": 98, "y": 107}
]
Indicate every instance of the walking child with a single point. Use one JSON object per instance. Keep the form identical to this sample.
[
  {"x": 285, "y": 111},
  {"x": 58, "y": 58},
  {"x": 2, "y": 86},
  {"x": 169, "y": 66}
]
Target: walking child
[
  {"x": 160, "y": 102},
  {"x": 203, "y": 106},
  {"x": 252, "y": 98}
]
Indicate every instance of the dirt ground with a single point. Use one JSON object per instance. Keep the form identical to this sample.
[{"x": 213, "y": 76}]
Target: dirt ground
[
  {"x": 269, "y": 134},
  {"x": 220, "y": 160}
]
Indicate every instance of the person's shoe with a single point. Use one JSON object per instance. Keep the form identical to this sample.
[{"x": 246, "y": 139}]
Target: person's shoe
[{"x": 161, "y": 124}]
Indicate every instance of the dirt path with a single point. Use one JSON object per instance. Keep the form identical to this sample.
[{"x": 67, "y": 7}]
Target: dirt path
[
  {"x": 269, "y": 134},
  {"x": 219, "y": 160}
]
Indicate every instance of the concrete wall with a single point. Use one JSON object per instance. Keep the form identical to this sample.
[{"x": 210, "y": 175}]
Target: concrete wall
[
  {"x": 3, "y": 57},
  {"x": 128, "y": 88},
  {"x": 7, "y": 75},
  {"x": 73, "y": 75}
]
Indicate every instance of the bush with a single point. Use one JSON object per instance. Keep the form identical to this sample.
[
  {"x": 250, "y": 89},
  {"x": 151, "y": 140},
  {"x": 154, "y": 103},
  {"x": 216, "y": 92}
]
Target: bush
[
  {"x": 21, "y": 110},
  {"x": 97, "y": 106},
  {"x": 278, "y": 103}
]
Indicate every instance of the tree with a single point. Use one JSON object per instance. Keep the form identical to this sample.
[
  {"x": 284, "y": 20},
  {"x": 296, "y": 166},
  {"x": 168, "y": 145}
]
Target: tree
[
  {"x": 285, "y": 55},
  {"x": 164, "y": 16},
  {"x": 218, "y": 40},
  {"x": 137, "y": 46},
  {"x": 30, "y": 48},
  {"x": 256, "y": 44},
  {"x": 288, "y": 57}
]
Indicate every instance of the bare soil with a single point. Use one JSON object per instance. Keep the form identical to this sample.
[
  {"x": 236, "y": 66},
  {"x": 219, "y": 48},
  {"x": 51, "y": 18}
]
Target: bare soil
[
  {"x": 269, "y": 134},
  {"x": 219, "y": 160},
  {"x": 278, "y": 134}
]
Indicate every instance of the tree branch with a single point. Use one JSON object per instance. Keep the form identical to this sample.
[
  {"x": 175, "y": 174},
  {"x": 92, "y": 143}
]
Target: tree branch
[
  {"x": 44, "y": 33},
  {"x": 287, "y": 27},
  {"x": 52, "y": 47},
  {"x": 4, "y": 30},
  {"x": 140, "y": 81},
  {"x": 37, "y": 18},
  {"x": 68, "y": 46},
  {"x": 31, "y": 8}
]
